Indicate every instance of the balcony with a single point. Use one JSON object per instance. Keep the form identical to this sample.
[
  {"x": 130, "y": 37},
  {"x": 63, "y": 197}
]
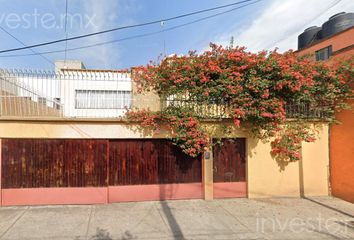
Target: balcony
[
  {"x": 88, "y": 94},
  {"x": 212, "y": 110}
]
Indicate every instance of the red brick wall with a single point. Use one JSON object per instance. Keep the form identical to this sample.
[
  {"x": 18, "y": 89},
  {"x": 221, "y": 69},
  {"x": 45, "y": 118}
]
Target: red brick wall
[
  {"x": 342, "y": 155},
  {"x": 342, "y": 135}
]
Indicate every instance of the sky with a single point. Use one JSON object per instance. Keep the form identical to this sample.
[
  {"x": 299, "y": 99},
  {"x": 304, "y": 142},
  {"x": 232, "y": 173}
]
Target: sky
[{"x": 266, "y": 24}]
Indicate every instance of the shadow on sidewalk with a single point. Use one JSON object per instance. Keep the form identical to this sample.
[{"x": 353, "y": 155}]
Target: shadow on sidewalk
[
  {"x": 329, "y": 207},
  {"x": 102, "y": 234},
  {"x": 172, "y": 222}
]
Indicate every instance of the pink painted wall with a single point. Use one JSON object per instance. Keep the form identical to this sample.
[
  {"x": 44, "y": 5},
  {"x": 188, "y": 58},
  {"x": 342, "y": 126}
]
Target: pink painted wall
[
  {"x": 47, "y": 196},
  {"x": 154, "y": 192},
  {"x": 90, "y": 195},
  {"x": 230, "y": 189}
]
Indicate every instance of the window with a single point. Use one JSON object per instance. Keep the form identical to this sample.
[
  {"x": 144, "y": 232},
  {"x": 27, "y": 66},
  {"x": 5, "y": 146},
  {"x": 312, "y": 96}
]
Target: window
[
  {"x": 102, "y": 99},
  {"x": 324, "y": 53}
]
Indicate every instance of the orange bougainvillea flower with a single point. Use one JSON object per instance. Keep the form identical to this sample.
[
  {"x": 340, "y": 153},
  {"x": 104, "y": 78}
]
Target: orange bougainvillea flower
[{"x": 253, "y": 88}]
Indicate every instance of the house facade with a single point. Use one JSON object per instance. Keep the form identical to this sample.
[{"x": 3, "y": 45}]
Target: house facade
[
  {"x": 338, "y": 46},
  {"x": 67, "y": 92},
  {"x": 86, "y": 154},
  {"x": 95, "y": 93}
]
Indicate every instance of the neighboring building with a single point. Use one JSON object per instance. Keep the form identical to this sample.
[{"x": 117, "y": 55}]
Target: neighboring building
[
  {"x": 68, "y": 64},
  {"x": 95, "y": 93},
  {"x": 19, "y": 95},
  {"x": 334, "y": 41},
  {"x": 71, "y": 92}
]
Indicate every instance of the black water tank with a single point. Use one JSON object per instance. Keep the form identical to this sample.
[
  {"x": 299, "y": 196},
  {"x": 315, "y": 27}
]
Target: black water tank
[
  {"x": 310, "y": 35},
  {"x": 337, "y": 23}
]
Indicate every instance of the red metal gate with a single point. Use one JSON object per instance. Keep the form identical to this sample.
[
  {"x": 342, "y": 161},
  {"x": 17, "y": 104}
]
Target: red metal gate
[{"x": 230, "y": 168}]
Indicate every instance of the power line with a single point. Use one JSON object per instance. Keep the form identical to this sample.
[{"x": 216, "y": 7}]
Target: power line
[
  {"x": 137, "y": 36},
  {"x": 18, "y": 40},
  {"x": 125, "y": 27}
]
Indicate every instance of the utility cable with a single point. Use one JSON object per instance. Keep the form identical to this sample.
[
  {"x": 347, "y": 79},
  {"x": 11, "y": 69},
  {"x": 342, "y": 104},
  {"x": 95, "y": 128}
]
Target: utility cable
[
  {"x": 18, "y": 40},
  {"x": 136, "y": 36},
  {"x": 124, "y": 27}
]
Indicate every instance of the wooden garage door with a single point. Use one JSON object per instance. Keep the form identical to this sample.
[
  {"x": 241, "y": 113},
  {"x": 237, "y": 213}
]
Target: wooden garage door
[
  {"x": 44, "y": 163},
  {"x": 36, "y": 163},
  {"x": 230, "y": 168},
  {"x": 83, "y": 171},
  {"x": 142, "y": 170},
  {"x": 154, "y": 161}
]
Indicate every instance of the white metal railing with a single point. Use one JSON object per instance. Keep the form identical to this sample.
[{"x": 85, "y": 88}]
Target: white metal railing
[
  {"x": 222, "y": 109},
  {"x": 64, "y": 94}
]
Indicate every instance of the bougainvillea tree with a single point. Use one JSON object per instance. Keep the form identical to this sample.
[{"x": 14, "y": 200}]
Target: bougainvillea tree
[{"x": 256, "y": 87}]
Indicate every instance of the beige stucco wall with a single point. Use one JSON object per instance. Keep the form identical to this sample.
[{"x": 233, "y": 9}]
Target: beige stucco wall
[
  {"x": 145, "y": 100},
  {"x": 265, "y": 178},
  {"x": 68, "y": 130},
  {"x": 315, "y": 161}
]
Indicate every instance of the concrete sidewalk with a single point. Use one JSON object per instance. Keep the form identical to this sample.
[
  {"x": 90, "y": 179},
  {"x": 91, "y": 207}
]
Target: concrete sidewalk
[{"x": 315, "y": 218}]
